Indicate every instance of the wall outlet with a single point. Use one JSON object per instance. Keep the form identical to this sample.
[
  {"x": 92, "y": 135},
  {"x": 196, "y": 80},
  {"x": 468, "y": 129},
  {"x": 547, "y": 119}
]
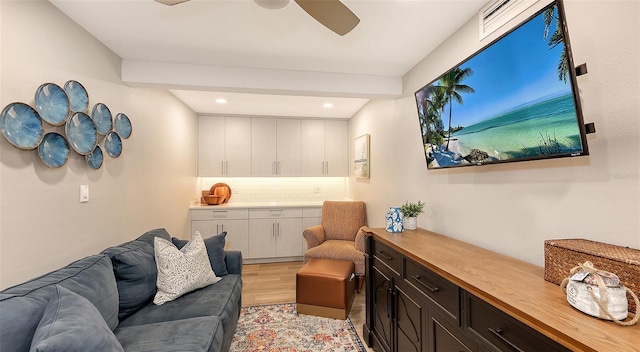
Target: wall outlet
[{"x": 84, "y": 193}]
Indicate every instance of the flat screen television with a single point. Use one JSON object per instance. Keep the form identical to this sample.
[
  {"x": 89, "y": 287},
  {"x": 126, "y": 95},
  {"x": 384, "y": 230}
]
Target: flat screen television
[{"x": 514, "y": 100}]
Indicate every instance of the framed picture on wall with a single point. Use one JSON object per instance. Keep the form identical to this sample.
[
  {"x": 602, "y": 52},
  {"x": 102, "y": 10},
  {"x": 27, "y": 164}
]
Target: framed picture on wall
[{"x": 361, "y": 156}]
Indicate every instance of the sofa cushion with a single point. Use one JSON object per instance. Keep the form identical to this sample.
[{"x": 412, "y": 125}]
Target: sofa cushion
[
  {"x": 71, "y": 323},
  {"x": 196, "y": 334},
  {"x": 218, "y": 300},
  {"x": 215, "y": 249},
  {"x": 22, "y": 306},
  {"x": 135, "y": 270},
  {"x": 181, "y": 270}
]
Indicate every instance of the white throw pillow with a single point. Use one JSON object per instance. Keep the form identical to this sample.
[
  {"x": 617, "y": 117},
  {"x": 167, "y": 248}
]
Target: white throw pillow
[{"x": 181, "y": 270}]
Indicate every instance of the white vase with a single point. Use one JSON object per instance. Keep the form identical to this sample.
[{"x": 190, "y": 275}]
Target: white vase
[{"x": 410, "y": 223}]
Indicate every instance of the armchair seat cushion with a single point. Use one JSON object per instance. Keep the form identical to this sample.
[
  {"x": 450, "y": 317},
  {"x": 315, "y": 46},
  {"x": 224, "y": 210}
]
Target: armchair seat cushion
[{"x": 338, "y": 249}]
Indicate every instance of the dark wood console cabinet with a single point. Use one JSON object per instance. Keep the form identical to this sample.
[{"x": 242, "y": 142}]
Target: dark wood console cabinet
[{"x": 427, "y": 292}]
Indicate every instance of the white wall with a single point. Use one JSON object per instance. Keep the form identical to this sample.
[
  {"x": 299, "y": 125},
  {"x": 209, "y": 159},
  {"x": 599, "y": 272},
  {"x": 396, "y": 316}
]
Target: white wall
[
  {"x": 512, "y": 208},
  {"x": 42, "y": 224}
]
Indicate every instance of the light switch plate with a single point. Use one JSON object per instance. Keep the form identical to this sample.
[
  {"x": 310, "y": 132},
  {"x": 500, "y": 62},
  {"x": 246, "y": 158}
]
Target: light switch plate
[{"x": 84, "y": 193}]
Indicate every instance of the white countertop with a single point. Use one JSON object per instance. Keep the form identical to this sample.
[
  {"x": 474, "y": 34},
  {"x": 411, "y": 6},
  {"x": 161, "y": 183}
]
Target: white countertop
[{"x": 314, "y": 204}]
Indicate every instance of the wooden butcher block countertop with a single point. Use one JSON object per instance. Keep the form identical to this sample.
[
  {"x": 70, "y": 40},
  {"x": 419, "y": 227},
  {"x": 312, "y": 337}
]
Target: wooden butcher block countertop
[{"x": 513, "y": 286}]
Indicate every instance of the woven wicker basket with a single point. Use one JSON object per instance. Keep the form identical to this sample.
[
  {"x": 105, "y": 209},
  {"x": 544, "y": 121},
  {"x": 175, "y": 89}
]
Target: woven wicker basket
[{"x": 562, "y": 255}]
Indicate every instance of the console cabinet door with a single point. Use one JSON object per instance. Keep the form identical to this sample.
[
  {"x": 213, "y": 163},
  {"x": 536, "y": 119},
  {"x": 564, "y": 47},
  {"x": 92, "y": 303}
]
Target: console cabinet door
[
  {"x": 446, "y": 337},
  {"x": 410, "y": 318},
  {"x": 382, "y": 310}
]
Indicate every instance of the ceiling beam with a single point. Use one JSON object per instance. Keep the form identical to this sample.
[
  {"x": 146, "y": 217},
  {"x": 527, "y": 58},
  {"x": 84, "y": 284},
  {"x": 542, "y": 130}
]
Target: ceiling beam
[{"x": 140, "y": 73}]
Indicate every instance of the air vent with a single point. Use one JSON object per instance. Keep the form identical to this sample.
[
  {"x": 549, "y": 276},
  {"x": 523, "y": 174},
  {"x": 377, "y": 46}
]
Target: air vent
[{"x": 498, "y": 12}]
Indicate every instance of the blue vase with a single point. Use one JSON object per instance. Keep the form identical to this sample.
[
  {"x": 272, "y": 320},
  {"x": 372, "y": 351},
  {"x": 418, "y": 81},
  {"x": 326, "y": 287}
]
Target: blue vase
[{"x": 394, "y": 220}]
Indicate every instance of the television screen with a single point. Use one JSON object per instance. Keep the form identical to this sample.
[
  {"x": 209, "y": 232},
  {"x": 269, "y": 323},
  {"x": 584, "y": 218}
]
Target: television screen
[{"x": 516, "y": 99}]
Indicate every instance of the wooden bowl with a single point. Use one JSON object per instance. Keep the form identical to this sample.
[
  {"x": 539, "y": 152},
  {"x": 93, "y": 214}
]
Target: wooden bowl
[{"x": 212, "y": 199}]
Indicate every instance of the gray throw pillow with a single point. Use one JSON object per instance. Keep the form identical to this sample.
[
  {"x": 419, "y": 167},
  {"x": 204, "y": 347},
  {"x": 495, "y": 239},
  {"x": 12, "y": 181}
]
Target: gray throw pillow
[
  {"x": 215, "y": 249},
  {"x": 71, "y": 323},
  {"x": 135, "y": 270}
]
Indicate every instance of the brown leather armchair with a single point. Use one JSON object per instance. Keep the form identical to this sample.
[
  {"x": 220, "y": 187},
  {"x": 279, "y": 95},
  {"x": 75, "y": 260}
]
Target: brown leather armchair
[{"x": 340, "y": 235}]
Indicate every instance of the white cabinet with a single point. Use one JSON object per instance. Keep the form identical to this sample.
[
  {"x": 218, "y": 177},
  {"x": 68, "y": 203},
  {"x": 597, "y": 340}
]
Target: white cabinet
[
  {"x": 275, "y": 233},
  {"x": 310, "y": 217},
  {"x": 325, "y": 148},
  {"x": 224, "y": 146},
  {"x": 210, "y": 222},
  {"x": 275, "y": 147}
]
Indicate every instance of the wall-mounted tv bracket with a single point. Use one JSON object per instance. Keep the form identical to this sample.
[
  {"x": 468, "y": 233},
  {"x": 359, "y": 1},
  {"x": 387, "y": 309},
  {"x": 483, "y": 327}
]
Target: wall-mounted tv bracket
[
  {"x": 588, "y": 127},
  {"x": 581, "y": 69}
]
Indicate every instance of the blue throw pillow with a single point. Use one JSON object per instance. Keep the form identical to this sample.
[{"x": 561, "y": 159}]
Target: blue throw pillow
[
  {"x": 215, "y": 249},
  {"x": 136, "y": 274},
  {"x": 71, "y": 323}
]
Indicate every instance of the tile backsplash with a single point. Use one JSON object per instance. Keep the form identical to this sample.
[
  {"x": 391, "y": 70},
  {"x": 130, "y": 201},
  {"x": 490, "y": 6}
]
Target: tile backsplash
[{"x": 281, "y": 189}]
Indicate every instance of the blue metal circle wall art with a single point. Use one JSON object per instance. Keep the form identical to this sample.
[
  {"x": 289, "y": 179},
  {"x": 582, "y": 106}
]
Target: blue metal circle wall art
[
  {"x": 21, "y": 126},
  {"x": 95, "y": 158},
  {"x": 122, "y": 125},
  {"x": 52, "y": 104},
  {"x": 78, "y": 96},
  {"x": 81, "y": 133},
  {"x": 101, "y": 116},
  {"x": 54, "y": 150},
  {"x": 113, "y": 144}
]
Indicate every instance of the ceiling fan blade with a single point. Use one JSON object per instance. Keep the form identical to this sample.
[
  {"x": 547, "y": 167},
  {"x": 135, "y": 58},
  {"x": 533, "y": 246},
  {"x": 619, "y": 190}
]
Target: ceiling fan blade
[
  {"x": 171, "y": 2},
  {"x": 333, "y": 14}
]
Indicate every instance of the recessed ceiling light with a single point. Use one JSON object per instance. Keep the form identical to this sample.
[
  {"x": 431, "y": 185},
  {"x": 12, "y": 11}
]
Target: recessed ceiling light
[
  {"x": 327, "y": 105},
  {"x": 221, "y": 100}
]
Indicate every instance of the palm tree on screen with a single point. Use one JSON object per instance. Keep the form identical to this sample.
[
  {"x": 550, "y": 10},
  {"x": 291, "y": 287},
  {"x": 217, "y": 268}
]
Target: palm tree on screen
[
  {"x": 451, "y": 85},
  {"x": 556, "y": 38}
]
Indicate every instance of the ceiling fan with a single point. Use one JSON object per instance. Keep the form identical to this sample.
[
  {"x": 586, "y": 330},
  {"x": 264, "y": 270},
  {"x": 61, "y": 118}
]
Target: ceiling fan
[{"x": 333, "y": 14}]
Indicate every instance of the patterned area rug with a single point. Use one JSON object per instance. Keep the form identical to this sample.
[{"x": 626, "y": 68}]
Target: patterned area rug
[{"x": 277, "y": 328}]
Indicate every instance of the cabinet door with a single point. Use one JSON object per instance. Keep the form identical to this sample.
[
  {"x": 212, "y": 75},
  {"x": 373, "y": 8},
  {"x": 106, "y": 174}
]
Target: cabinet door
[
  {"x": 288, "y": 148},
  {"x": 313, "y": 162},
  {"x": 237, "y": 235},
  {"x": 445, "y": 337},
  {"x": 262, "y": 238},
  {"x": 237, "y": 146},
  {"x": 410, "y": 317},
  {"x": 382, "y": 308},
  {"x": 207, "y": 228},
  {"x": 308, "y": 222},
  {"x": 263, "y": 147},
  {"x": 336, "y": 134},
  {"x": 211, "y": 133},
  {"x": 289, "y": 237}
]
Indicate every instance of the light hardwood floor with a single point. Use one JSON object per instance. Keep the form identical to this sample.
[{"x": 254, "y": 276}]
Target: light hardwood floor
[{"x": 274, "y": 283}]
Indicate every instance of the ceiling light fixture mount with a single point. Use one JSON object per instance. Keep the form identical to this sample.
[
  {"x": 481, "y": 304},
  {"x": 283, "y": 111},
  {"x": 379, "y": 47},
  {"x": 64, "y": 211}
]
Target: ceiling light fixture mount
[{"x": 273, "y": 4}]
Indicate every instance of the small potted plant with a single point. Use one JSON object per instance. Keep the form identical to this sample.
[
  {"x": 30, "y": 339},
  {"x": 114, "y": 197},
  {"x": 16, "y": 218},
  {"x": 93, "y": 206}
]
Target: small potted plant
[{"x": 410, "y": 212}]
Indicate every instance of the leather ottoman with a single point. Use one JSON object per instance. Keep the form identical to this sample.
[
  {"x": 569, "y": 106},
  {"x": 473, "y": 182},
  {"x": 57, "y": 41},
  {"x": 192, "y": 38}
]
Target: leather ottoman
[{"x": 326, "y": 288}]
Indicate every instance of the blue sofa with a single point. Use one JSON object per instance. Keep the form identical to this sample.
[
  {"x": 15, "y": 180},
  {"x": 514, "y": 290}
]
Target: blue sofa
[{"x": 104, "y": 302}]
